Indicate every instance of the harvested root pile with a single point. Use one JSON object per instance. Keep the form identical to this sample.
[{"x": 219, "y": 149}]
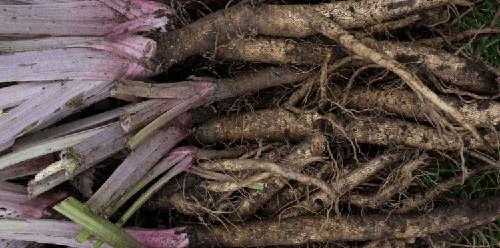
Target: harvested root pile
[{"x": 246, "y": 124}]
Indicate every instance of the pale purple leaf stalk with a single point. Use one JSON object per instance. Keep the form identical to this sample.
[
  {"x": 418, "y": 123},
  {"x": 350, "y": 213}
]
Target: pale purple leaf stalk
[
  {"x": 16, "y": 94},
  {"x": 15, "y": 198},
  {"x": 5, "y": 243},
  {"x": 134, "y": 47},
  {"x": 69, "y": 128},
  {"x": 133, "y": 169},
  {"x": 63, "y": 232},
  {"x": 82, "y": 18},
  {"x": 26, "y": 168},
  {"x": 49, "y": 140},
  {"x": 133, "y": 119},
  {"x": 37, "y": 1},
  {"x": 50, "y": 107},
  {"x": 36, "y": 44},
  {"x": 104, "y": 59},
  {"x": 180, "y": 167},
  {"x": 13, "y": 159},
  {"x": 62, "y": 64},
  {"x": 199, "y": 98},
  {"x": 181, "y": 158},
  {"x": 174, "y": 157},
  {"x": 80, "y": 157}
]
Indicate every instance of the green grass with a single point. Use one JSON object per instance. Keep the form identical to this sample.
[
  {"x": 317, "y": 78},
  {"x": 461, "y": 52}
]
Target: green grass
[
  {"x": 484, "y": 184},
  {"x": 478, "y": 186},
  {"x": 480, "y": 17}
]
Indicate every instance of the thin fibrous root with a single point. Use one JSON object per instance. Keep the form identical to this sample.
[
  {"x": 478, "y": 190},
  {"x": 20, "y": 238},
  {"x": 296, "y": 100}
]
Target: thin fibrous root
[
  {"x": 418, "y": 200},
  {"x": 440, "y": 41},
  {"x": 391, "y": 25},
  {"x": 333, "y": 31},
  {"x": 344, "y": 184},
  {"x": 249, "y": 164},
  {"x": 235, "y": 185},
  {"x": 395, "y": 183},
  {"x": 296, "y": 160}
]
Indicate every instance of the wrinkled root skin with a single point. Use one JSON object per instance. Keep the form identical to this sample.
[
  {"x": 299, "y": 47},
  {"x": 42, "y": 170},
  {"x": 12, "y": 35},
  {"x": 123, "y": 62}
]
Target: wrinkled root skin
[
  {"x": 454, "y": 70},
  {"x": 302, "y": 230},
  {"x": 483, "y": 113},
  {"x": 276, "y": 20},
  {"x": 279, "y": 124}
]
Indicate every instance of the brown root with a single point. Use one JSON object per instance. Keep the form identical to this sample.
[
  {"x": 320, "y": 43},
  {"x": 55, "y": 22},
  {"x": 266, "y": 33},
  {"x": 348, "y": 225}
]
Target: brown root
[
  {"x": 277, "y": 51},
  {"x": 276, "y": 20},
  {"x": 395, "y": 183},
  {"x": 344, "y": 184},
  {"x": 237, "y": 185},
  {"x": 462, "y": 72},
  {"x": 251, "y": 82},
  {"x": 279, "y": 124},
  {"x": 483, "y": 113},
  {"x": 304, "y": 230},
  {"x": 333, "y": 31},
  {"x": 458, "y": 71},
  {"x": 397, "y": 243},
  {"x": 389, "y": 132},
  {"x": 276, "y": 124},
  {"x": 232, "y": 152},
  {"x": 392, "y": 25},
  {"x": 296, "y": 161}
]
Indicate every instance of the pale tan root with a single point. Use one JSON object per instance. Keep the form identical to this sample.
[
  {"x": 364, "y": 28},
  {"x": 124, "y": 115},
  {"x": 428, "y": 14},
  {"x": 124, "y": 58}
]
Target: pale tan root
[
  {"x": 248, "y": 164},
  {"x": 483, "y": 113},
  {"x": 343, "y": 185},
  {"x": 296, "y": 160},
  {"x": 279, "y": 124},
  {"x": 395, "y": 183},
  {"x": 235, "y": 185},
  {"x": 274, "y": 20},
  {"x": 276, "y": 51}
]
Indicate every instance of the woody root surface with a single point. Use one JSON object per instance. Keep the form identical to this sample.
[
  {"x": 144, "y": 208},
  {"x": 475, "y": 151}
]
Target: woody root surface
[{"x": 248, "y": 124}]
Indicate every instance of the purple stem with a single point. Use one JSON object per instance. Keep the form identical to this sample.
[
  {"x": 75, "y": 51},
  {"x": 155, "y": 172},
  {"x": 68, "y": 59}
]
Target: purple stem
[
  {"x": 29, "y": 167},
  {"x": 16, "y": 94},
  {"x": 81, "y": 18},
  {"x": 64, "y": 232},
  {"x": 133, "y": 169},
  {"x": 174, "y": 157},
  {"x": 86, "y": 154},
  {"x": 15, "y": 198},
  {"x": 68, "y": 63},
  {"x": 50, "y": 107}
]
